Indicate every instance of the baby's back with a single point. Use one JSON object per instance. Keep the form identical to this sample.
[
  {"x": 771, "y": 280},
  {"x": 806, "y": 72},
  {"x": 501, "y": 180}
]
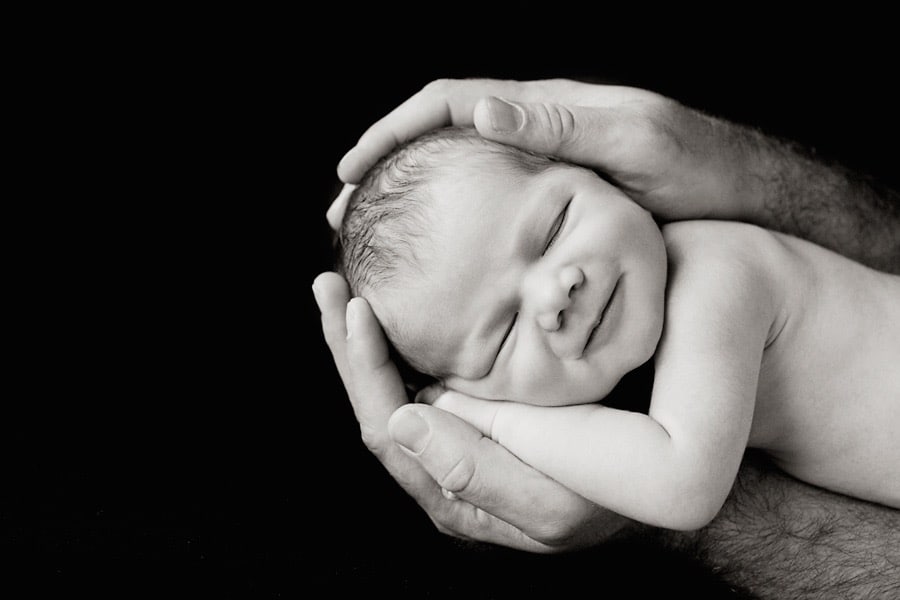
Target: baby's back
[{"x": 828, "y": 401}]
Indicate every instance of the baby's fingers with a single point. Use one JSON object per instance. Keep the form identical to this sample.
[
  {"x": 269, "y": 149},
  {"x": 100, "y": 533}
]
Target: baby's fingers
[{"x": 480, "y": 414}]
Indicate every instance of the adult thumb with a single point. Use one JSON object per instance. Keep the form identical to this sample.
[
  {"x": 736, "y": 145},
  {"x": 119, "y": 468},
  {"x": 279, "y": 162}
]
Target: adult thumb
[{"x": 577, "y": 134}]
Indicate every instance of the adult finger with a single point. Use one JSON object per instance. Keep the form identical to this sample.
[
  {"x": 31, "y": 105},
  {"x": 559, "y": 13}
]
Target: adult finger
[
  {"x": 478, "y": 413},
  {"x": 598, "y": 137},
  {"x": 487, "y": 476},
  {"x": 376, "y": 389},
  {"x": 335, "y": 213},
  {"x": 332, "y": 295},
  {"x": 374, "y": 393},
  {"x": 440, "y": 103}
]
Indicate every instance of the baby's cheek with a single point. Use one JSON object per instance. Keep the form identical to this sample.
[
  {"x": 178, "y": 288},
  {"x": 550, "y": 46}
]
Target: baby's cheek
[
  {"x": 556, "y": 382},
  {"x": 540, "y": 379}
]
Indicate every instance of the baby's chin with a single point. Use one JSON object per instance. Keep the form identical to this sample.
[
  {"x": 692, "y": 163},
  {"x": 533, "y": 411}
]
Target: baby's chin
[
  {"x": 571, "y": 397},
  {"x": 558, "y": 394},
  {"x": 594, "y": 388}
]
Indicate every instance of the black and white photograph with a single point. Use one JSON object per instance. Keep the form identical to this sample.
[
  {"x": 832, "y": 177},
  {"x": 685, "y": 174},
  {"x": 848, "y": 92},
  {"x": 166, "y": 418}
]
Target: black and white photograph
[
  {"x": 605, "y": 326},
  {"x": 634, "y": 325}
]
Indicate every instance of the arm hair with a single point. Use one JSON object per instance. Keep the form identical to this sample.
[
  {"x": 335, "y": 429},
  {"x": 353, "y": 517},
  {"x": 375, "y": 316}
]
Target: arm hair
[
  {"x": 824, "y": 203},
  {"x": 777, "y": 537}
]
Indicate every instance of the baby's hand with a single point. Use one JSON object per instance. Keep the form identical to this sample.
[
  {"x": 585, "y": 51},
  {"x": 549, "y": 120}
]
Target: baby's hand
[
  {"x": 495, "y": 497},
  {"x": 480, "y": 414}
]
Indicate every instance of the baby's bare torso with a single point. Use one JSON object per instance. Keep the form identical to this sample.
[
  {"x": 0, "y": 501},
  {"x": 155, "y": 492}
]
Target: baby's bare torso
[{"x": 828, "y": 401}]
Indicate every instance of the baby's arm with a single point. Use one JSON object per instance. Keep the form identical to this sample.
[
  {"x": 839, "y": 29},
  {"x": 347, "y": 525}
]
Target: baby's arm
[{"x": 674, "y": 467}]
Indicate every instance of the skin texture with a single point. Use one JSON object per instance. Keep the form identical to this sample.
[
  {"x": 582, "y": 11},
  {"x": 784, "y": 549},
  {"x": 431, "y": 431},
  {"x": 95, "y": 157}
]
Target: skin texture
[
  {"x": 745, "y": 307},
  {"x": 777, "y": 537},
  {"x": 679, "y": 164},
  {"x": 676, "y": 162},
  {"x": 510, "y": 312}
]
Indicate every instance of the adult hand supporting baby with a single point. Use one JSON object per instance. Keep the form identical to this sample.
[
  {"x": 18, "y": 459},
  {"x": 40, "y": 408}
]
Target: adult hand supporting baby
[
  {"x": 774, "y": 535},
  {"x": 495, "y": 497},
  {"x": 670, "y": 159},
  {"x": 675, "y": 161}
]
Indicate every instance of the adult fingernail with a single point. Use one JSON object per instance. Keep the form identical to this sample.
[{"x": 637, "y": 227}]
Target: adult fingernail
[
  {"x": 346, "y": 159},
  {"x": 505, "y": 116},
  {"x": 410, "y": 431},
  {"x": 335, "y": 213},
  {"x": 352, "y": 316},
  {"x": 316, "y": 295}
]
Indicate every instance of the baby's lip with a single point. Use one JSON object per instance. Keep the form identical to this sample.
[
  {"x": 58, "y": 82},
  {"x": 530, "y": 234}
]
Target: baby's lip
[{"x": 600, "y": 314}]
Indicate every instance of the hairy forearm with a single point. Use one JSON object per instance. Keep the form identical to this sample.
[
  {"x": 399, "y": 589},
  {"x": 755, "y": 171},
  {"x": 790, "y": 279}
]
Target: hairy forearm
[
  {"x": 793, "y": 192},
  {"x": 779, "y": 538}
]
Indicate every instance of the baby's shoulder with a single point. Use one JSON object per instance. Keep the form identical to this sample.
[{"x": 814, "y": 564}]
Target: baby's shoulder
[
  {"x": 718, "y": 241},
  {"x": 728, "y": 261}
]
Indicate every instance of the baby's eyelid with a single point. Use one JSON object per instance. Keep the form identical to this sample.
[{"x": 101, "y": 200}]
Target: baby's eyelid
[
  {"x": 557, "y": 226},
  {"x": 508, "y": 331}
]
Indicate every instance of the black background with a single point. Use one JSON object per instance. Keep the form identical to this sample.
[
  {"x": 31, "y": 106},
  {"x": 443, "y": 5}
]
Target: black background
[{"x": 179, "y": 426}]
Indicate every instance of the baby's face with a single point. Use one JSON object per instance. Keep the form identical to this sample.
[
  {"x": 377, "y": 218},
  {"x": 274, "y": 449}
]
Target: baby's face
[{"x": 542, "y": 288}]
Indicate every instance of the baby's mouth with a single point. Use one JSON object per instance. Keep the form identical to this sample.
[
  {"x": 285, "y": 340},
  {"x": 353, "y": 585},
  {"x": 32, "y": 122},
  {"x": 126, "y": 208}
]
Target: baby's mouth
[
  {"x": 599, "y": 321},
  {"x": 590, "y": 337}
]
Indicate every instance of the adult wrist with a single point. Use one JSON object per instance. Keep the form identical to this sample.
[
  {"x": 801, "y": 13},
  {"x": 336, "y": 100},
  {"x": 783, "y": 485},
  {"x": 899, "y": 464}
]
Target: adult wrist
[{"x": 747, "y": 168}]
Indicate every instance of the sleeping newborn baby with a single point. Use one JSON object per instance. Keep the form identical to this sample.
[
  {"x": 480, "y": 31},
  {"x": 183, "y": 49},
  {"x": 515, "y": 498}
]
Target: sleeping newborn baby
[{"x": 532, "y": 286}]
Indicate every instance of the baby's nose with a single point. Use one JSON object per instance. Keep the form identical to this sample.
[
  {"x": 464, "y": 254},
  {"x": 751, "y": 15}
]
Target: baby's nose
[
  {"x": 550, "y": 321},
  {"x": 571, "y": 278},
  {"x": 558, "y": 297}
]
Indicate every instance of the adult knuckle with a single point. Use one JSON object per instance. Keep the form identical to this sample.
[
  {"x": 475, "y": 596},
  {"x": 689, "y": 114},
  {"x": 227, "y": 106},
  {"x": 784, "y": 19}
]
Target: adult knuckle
[
  {"x": 438, "y": 86},
  {"x": 460, "y": 476},
  {"x": 462, "y": 520},
  {"x": 481, "y": 519},
  {"x": 373, "y": 439},
  {"x": 443, "y": 527},
  {"x": 564, "y": 125},
  {"x": 558, "y": 122},
  {"x": 554, "y": 532}
]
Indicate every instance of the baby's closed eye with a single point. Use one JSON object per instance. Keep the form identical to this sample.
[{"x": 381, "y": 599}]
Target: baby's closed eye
[{"x": 557, "y": 227}]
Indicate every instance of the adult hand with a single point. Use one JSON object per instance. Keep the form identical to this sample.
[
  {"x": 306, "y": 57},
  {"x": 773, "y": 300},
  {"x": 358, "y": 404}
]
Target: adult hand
[
  {"x": 674, "y": 161},
  {"x": 470, "y": 486}
]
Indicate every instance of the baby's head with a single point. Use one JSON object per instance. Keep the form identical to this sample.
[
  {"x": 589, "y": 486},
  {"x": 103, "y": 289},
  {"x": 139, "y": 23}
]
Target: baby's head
[{"x": 505, "y": 274}]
